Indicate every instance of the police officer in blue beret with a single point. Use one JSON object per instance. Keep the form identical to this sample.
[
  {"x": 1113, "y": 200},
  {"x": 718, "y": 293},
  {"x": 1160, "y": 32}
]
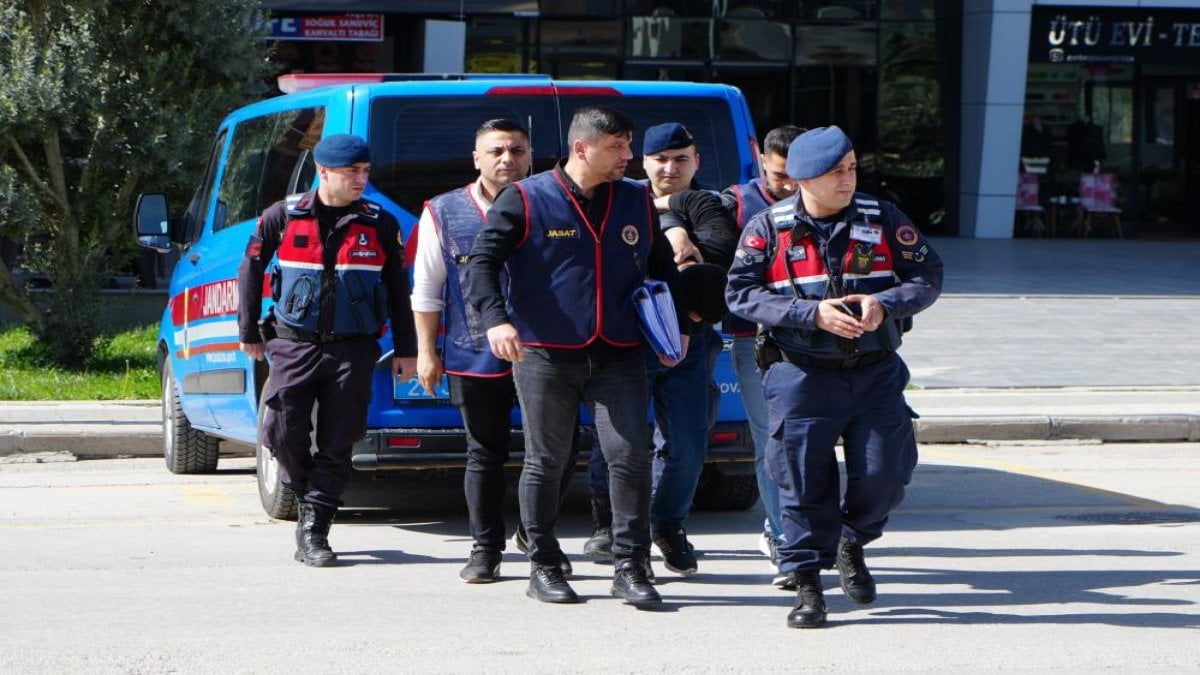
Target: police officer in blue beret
[
  {"x": 337, "y": 278},
  {"x": 834, "y": 277}
]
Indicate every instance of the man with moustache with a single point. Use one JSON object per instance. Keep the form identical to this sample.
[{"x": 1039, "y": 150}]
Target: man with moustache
[{"x": 481, "y": 385}]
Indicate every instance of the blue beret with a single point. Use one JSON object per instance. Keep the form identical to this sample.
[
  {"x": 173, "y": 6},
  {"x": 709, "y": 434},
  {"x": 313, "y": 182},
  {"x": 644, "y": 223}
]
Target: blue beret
[
  {"x": 815, "y": 152},
  {"x": 669, "y": 136},
  {"x": 341, "y": 150}
]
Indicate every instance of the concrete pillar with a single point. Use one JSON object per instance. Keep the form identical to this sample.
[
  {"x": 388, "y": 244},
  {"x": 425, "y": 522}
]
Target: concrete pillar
[{"x": 995, "y": 60}]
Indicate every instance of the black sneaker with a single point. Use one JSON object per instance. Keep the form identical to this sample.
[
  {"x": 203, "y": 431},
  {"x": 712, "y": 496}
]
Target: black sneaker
[
  {"x": 631, "y": 584},
  {"x": 810, "y": 601},
  {"x": 483, "y": 567},
  {"x": 521, "y": 543},
  {"x": 857, "y": 582},
  {"x": 547, "y": 584},
  {"x": 678, "y": 554}
]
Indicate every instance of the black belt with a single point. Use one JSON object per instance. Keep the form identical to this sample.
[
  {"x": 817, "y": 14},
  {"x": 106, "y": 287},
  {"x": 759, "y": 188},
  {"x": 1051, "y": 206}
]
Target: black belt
[
  {"x": 849, "y": 363},
  {"x": 290, "y": 333}
]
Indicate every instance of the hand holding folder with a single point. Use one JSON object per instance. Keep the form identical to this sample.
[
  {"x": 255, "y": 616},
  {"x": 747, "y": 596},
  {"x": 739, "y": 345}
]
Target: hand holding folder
[{"x": 658, "y": 320}]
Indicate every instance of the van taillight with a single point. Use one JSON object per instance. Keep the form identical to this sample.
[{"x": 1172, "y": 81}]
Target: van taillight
[
  {"x": 724, "y": 437},
  {"x": 403, "y": 442}
]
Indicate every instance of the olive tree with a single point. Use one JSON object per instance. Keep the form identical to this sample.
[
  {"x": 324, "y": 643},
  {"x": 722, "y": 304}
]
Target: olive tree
[{"x": 100, "y": 100}]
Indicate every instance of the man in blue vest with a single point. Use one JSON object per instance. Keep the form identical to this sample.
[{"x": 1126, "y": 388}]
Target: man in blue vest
[
  {"x": 338, "y": 277},
  {"x": 481, "y": 385},
  {"x": 577, "y": 241},
  {"x": 744, "y": 202},
  {"x": 834, "y": 277},
  {"x": 700, "y": 231}
]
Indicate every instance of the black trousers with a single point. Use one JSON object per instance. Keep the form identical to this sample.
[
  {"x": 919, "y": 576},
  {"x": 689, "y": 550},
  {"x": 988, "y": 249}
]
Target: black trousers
[
  {"x": 486, "y": 405},
  {"x": 337, "y": 377}
]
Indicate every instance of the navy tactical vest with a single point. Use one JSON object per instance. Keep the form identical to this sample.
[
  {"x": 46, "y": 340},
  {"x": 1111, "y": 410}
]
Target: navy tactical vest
[
  {"x": 306, "y": 273},
  {"x": 796, "y": 268},
  {"x": 465, "y": 350},
  {"x": 571, "y": 280}
]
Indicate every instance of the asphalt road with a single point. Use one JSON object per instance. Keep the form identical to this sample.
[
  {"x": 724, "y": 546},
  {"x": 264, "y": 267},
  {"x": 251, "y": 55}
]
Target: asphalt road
[{"x": 1016, "y": 557}]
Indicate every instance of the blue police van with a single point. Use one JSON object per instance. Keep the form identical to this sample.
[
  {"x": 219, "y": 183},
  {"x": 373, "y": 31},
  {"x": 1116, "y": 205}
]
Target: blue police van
[{"x": 421, "y": 131}]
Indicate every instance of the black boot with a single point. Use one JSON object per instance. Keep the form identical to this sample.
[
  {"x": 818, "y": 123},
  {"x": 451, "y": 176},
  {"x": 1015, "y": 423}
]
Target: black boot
[
  {"x": 857, "y": 582},
  {"x": 631, "y": 584},
  {"x": 312, "y": 535},
  {"x": 598, "y": 547},
  {"x": 810, "y": 601}
]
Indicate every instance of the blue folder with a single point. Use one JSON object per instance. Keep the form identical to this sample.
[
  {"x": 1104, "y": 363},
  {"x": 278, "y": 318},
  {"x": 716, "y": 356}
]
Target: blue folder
[{"x": 657, "y": 317}]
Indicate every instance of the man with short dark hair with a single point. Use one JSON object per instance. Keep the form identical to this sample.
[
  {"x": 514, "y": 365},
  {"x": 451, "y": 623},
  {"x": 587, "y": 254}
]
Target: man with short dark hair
[
  {"x": 744, "y": 202},
  {"x": 834, "y": 277},
  {"x": 338, "y": 277},
  {"x": 481, "y": 385},
  {"x": 577, "y": 241}
]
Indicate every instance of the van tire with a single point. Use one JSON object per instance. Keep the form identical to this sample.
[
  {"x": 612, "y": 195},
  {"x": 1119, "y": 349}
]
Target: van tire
[
  {"x": 723, "y": 491},
  {"x": 185, "y": 449},
  {"x": 278, "y": 500}
]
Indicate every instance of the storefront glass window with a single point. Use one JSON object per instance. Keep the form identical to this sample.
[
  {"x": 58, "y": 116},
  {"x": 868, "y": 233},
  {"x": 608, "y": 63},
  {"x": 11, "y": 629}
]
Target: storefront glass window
[
  {"x": 662, "y": 34},
  {"x": 580, "y": 49},
  {"x": 911, "y": 159},
  {"x": 748, "y": 33},
  {"x": 495, "y": 45}
]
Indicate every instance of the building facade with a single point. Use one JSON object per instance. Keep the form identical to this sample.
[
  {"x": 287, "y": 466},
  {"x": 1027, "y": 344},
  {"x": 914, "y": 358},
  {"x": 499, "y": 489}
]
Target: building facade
[{"x": 943, "y": 98}]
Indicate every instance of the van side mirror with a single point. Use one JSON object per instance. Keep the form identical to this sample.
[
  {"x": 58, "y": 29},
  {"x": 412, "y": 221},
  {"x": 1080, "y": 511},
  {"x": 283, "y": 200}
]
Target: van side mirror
[{"x": 152, "y": 221}]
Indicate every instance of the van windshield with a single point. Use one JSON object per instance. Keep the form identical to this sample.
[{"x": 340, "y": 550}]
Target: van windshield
[{"x": 421, "y": 145}]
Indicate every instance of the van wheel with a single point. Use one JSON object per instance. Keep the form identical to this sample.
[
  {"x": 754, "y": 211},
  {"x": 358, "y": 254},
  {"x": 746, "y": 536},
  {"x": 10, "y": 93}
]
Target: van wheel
[
  {"x": 721, "y": 491},
  {"x": 185, "y": 449},
  {"x": 277, "y": 499}
]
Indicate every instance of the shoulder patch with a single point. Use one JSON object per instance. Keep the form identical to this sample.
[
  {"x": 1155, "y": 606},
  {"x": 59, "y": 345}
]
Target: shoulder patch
[
  {"x": 296, "y": 204},
  {"x": 907, "y": 235}
]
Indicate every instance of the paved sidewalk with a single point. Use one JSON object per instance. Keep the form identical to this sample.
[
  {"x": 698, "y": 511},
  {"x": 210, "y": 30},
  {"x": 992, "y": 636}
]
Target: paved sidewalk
[{"x": 1032, "y": 340}]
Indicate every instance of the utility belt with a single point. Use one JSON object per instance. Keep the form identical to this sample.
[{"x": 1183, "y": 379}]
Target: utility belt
[
  {"x": 289, "y": 333},
  {"x": 767, "y": 353}
]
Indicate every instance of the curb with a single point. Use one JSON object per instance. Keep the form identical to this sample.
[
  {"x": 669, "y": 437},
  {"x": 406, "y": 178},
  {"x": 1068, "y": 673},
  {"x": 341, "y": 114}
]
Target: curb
[
  {"x": 145, "y": 440},
  {"x": 1125, "y": 428}
]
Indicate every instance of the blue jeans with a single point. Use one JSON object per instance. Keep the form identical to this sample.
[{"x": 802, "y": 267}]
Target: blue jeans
[
  {"x": 755, "y": 404},
  {"x": 681, "y": 435},
  {"x": 551, "y": 384}
]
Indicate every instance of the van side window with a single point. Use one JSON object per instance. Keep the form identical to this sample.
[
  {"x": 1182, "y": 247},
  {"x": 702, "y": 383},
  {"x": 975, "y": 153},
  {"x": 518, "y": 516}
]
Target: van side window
[
  {"x": 421, "y": 146},
  {"x": 270, "y": 156},
  {"x": 193, "y": 219}
]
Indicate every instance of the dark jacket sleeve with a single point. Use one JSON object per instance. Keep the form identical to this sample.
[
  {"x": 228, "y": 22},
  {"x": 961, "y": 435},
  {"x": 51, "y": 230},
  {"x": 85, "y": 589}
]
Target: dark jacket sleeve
[
  {"x": 662, "y": 267},
  {"x": 712, "y": 228},
  {"x": 503, "y": 231},
  {"x": 917, "y": 265},
  {"x": 395, "y": 278},
  {"x": 261, "y": 247}
]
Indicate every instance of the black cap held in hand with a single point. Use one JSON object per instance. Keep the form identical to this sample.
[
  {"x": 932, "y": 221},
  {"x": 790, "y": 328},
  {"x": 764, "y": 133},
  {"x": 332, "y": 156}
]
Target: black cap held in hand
[{"x": 704, "y": 288}]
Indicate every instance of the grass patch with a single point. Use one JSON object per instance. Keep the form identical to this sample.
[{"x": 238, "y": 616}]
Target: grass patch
[{"x": 122, "y": 366}]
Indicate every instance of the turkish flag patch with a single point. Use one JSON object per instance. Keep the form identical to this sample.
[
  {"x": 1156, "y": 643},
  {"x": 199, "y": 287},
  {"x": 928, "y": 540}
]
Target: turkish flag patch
[{"x": 756, "y": 242}]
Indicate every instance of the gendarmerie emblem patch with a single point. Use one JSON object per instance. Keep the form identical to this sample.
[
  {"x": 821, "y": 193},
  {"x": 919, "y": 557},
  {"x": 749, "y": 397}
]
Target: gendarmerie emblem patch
[
  {"x": 907, "y": 235},
  {"x": 629, "y": 234}
]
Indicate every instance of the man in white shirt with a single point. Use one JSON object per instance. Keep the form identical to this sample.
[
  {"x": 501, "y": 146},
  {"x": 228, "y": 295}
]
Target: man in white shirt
[{"x": 481, "y": 385}]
